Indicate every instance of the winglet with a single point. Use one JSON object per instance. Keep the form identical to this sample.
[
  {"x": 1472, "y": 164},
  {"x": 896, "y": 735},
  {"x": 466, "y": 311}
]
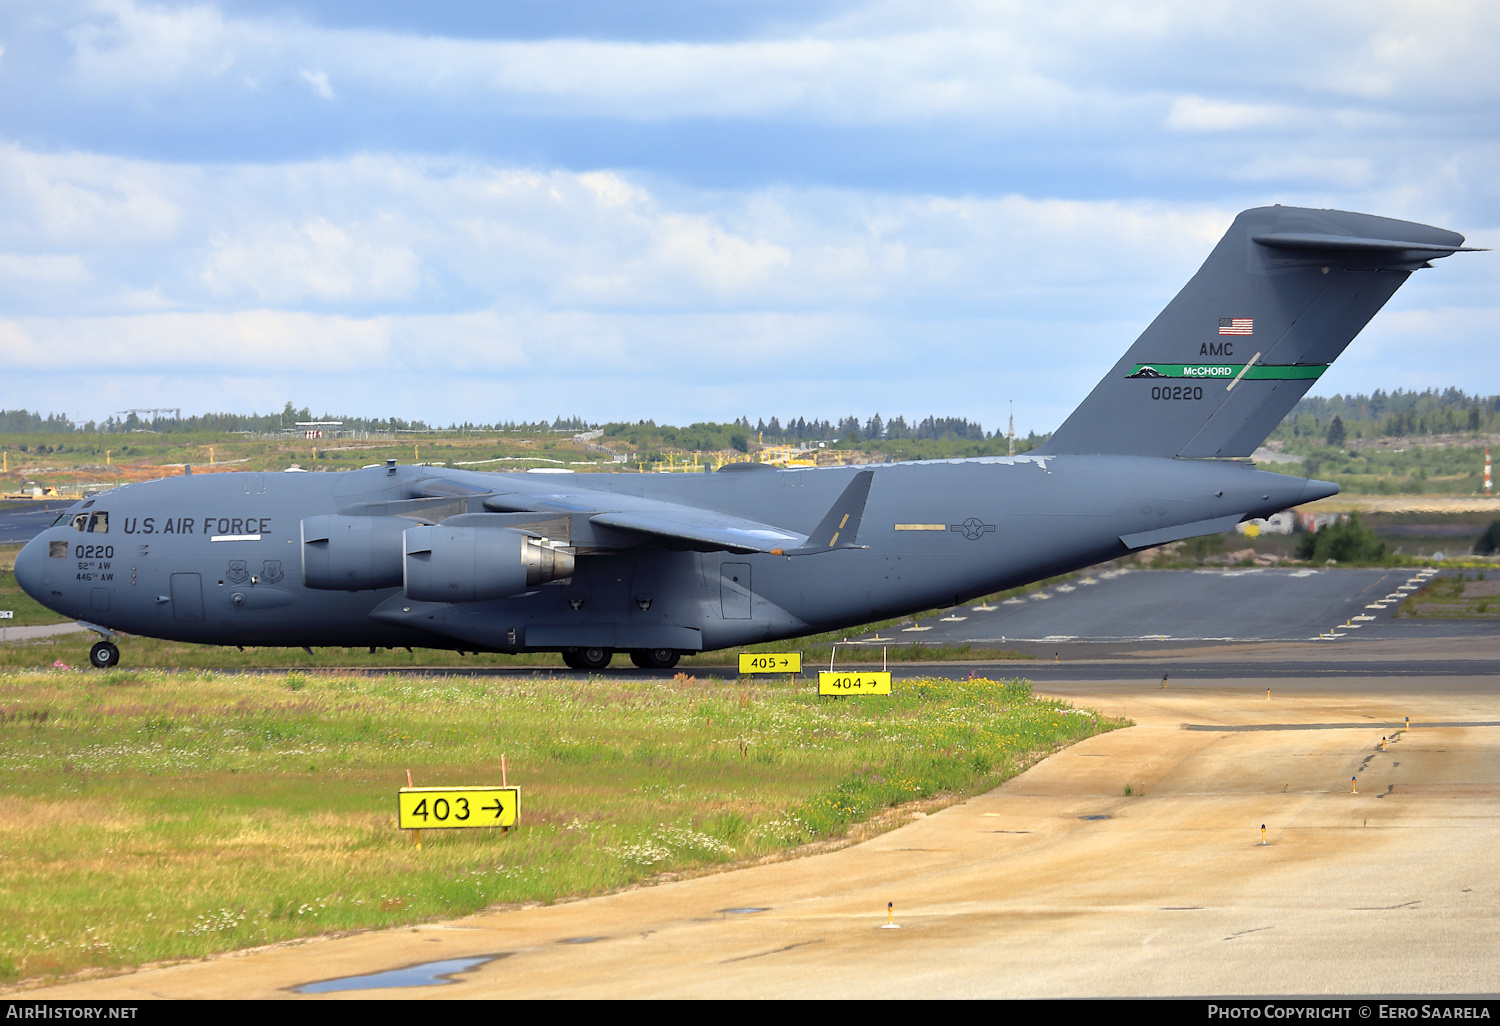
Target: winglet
[{"x": 839, "y": 528}]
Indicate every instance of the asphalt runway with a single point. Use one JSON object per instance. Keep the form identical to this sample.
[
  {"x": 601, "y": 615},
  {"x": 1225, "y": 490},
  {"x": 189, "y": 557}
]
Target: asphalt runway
[
  {"x": 1208, "y": 605},
  {"x": 1376, "y": 875},
  {"x": 22, "y": 521}
]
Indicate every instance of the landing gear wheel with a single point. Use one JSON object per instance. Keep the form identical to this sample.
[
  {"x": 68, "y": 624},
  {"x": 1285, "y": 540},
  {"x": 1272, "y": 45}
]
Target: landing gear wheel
[
  {"x": 587, "y": 658},
  {"x": 655, "y": 658},
  {"x": 104, "y": 655}
]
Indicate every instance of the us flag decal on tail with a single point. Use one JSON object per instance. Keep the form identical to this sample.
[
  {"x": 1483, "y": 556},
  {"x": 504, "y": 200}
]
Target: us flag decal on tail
[{"x": 1236, "y": 325}]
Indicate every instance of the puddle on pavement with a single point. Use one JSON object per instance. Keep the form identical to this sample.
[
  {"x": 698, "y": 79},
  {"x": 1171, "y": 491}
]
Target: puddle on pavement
[
  {"x": 581, "y": 940},
  {"x": 748, "y": 910},
  {"x": 427, "y": 974},
  {"x": 1093, "y": 817}
]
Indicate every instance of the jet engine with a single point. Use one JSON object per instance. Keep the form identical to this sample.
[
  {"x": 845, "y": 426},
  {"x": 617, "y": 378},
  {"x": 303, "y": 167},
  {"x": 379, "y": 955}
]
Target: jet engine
[
  {"x": 473, "y": 564},
  {"x": 341, "y": 553}
]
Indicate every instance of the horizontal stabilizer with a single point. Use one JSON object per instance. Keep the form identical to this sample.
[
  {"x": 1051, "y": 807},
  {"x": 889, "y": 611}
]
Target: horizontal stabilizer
[{"x": 1354, "y": 244}]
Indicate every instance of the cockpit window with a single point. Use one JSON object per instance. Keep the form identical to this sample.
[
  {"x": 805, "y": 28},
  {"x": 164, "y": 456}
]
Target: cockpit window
[
  {"x": 99, "y": 523},
  {"x": 63, "y": 519},
  {"x": 80, "y": 521}
]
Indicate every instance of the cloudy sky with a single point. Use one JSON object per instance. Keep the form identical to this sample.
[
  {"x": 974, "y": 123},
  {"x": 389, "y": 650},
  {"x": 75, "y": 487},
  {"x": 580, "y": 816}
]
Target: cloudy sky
[{"x": 516, "y": 209}]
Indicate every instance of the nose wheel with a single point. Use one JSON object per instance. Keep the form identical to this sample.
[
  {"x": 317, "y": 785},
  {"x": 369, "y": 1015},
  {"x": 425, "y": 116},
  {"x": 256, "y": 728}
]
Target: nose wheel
[{"x": 104, "y": 655}]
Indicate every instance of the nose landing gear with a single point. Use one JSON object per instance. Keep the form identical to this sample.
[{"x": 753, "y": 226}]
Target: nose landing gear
[{"x": 104, "y": 655}]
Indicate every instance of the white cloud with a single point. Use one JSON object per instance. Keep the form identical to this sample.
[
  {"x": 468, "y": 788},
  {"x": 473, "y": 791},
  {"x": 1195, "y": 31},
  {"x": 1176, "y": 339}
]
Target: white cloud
[
  {"x": 1344, "y": 172},
  {"x": 41, "y": 269},
  {"x": 288, "y": 263},
  {"x": 318, "y": 80},
  {"x": 255, "y": 340},
  {"x": 1196, "y": 114},
  {"x": 86, "y": 198},
  {"x": 883, "y": 63},
  {"x": 131, "y": 43},
  {"x": 394, "y": 279}
]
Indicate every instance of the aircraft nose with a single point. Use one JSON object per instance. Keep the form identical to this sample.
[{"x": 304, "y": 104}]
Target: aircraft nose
[{"x": 31, "y": 561}]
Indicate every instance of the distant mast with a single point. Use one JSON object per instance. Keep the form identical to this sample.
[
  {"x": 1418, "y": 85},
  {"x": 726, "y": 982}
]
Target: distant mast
[{"x": 1011, "y": 435}]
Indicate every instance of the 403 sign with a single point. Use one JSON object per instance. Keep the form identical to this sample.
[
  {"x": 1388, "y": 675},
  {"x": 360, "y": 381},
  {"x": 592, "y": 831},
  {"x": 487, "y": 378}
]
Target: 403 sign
[{"x": 447, "y": 808}]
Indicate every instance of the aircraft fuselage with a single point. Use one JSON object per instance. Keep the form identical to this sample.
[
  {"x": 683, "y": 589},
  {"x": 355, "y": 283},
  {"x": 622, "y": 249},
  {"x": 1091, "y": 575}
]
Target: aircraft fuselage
[{"x": 217, "y": 558}]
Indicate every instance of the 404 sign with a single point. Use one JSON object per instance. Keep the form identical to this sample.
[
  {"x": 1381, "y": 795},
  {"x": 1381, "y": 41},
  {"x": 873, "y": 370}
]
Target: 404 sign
[
  {"x": 447, "y": 808},
  {"x": 846, "y": 682}
]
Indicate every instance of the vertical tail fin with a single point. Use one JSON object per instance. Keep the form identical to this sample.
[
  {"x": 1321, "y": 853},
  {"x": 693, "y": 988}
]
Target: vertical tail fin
[{"x": 1276, "y": 302}]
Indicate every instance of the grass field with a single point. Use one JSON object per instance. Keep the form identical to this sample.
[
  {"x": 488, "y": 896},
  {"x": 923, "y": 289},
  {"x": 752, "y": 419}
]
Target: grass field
[
  {"x": 157, "y": 816},
  {"x": 1468, "y": 595}
]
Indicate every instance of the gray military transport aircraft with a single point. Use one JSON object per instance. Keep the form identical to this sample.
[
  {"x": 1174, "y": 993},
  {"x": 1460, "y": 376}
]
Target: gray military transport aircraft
[{"x": 659, "y": 565}]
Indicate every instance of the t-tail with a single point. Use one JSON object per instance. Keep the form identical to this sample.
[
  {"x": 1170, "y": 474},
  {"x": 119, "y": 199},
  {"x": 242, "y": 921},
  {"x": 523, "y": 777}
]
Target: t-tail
[{"x": 1276, "y": 302}]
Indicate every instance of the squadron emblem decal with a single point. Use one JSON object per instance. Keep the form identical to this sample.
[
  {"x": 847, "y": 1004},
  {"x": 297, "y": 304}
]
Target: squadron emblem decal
[
  {"x": 972, "y": 528},
  {"x": 271, "y": 573},
  {"x": 237, "y": 572}
]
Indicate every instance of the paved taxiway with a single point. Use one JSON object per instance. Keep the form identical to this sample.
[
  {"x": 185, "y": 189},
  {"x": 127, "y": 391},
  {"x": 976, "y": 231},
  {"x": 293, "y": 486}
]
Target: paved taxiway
[
  {"x": 24, "y": 520},
  {"x": 1026, "y": 891},
  {"x": 1239, "y": 604}
]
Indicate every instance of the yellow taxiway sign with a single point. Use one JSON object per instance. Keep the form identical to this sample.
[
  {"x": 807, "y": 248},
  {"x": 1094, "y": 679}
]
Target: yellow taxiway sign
[
  {"x": 844, "y": 682},
  {"x": 771, "y": 662},
  {"x": 446, "y": 808}
]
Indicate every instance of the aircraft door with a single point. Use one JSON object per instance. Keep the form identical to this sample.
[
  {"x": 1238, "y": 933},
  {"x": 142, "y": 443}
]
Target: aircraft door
[
  {"x": 734, "y": 590},
  {"x": 187, "y": 597}
]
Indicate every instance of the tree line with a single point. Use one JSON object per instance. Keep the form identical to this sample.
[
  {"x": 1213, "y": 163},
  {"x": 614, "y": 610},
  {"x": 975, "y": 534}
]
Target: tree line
[
  {"x": 1398, "y": 414},
  {"x": 24, "y": 422}
]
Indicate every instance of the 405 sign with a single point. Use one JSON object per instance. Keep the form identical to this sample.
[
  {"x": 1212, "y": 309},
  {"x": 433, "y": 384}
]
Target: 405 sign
[{"x": 446, "y": 808}]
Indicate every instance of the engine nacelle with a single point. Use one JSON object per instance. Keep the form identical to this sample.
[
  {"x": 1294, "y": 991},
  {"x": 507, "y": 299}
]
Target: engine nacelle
[
  {"x": 342, "y": 553},
  {"x": 473, "y": 564}
]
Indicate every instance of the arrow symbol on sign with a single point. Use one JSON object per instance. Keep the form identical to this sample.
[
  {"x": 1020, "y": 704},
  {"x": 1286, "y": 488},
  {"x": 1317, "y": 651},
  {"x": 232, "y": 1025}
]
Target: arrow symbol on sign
[{"x": 497, "y": 807}]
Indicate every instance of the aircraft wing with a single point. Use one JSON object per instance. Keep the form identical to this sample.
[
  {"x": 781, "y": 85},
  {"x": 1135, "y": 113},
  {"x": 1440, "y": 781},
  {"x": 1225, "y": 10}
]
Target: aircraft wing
[
  {"x": 705, "y": 527},
  {"x": 699, "y": 528}
]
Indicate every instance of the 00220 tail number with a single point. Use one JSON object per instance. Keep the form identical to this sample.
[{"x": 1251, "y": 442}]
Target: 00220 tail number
[{"x": 1168, "y": 392}]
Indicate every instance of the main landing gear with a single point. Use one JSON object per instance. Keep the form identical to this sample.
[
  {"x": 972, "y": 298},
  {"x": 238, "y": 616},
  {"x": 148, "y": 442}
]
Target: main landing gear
[
  {"x": 587, "y": 658},
  {"x": 655, "y": 658},
  {"x": 104, "y": 655},
  {"x": 598, "y": 658}
]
